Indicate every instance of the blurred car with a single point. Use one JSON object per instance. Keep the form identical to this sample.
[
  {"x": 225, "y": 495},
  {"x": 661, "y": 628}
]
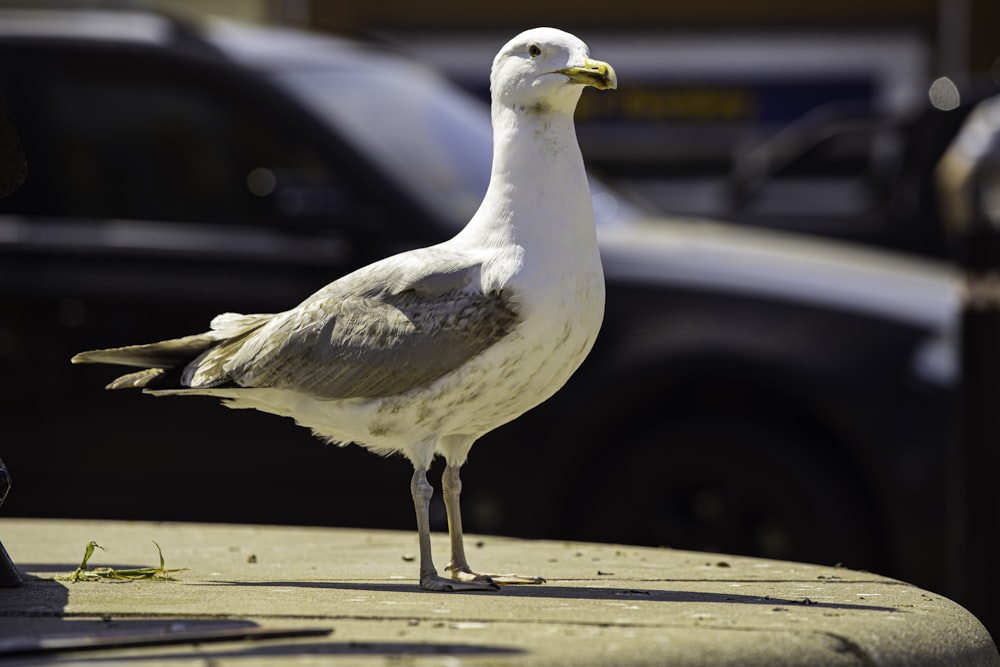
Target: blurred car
[
  {"x": 751, "y": 392},
  {"x": 810, "y": 129}
]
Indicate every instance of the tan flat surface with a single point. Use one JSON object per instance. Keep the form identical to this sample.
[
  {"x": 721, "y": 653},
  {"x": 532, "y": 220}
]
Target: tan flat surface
[{"x": 602, "y": 605}]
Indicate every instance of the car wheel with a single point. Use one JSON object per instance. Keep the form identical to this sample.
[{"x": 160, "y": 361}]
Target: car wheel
[{"x": 730, "y": 485}]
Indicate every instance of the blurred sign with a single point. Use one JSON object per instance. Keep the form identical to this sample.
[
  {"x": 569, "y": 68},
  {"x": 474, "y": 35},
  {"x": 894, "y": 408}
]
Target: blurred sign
[
  {"x": 763, "y": 103},
  {"x": 686, "y": 97}
]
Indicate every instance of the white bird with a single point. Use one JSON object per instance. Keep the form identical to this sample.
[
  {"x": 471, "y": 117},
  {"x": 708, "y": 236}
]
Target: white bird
[{"x": 423, "y": 352}]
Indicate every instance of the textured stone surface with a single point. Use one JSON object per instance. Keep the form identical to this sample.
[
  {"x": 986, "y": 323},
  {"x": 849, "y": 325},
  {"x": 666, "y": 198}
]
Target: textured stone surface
[{"x": 603, "y": 604}]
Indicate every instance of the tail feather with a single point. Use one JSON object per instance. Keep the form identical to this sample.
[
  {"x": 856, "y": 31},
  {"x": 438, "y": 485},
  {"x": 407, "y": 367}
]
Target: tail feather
[
  {"x": 165, "y": 354},
  {"x": 187, "y": 355},
  {"x": 137, "y": 380}
]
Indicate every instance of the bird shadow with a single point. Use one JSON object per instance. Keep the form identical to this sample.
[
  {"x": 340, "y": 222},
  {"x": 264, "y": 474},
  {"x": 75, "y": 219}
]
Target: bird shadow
[
  {"x": 546, "y": 591},
  {"x": 553, "y": 592}
]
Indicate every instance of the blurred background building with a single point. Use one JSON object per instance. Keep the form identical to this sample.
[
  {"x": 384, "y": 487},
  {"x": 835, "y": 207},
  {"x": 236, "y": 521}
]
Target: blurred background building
[{"x": 962, "y": 34}]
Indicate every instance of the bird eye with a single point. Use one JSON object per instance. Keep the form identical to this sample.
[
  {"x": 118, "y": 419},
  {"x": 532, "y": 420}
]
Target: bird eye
[{"x": 534, "y": 51}]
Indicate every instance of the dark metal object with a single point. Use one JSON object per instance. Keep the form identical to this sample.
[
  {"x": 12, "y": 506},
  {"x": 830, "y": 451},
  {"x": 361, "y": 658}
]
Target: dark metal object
[
  {"x": 4, "y": 482},
  {"x": 9, "y": 576},
  {"x": 969, "y": 176},
  {"x": 13, "y": 164},
  {"x": 13, "y": 171},
  {"x": 978, "y": 492}
]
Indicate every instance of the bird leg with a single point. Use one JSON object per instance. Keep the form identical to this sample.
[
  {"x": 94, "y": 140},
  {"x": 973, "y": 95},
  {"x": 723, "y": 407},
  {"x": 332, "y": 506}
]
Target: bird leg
[
  {"x": 422, "y": 491},
  {"x": 451, "y": 485}
]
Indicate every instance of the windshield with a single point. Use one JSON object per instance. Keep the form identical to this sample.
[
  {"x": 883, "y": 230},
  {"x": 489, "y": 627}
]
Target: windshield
[{"x": 434, "y": 139}]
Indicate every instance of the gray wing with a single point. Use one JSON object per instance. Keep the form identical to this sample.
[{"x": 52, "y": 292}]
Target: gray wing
[{"x": 379, "y": 334}]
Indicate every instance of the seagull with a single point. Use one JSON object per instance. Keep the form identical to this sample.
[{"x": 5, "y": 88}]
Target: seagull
[{"x": 425, "y": 351}]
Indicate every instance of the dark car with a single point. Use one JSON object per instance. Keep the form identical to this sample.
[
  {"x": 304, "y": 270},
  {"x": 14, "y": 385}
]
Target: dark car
[{"x": 751, "y": 391}]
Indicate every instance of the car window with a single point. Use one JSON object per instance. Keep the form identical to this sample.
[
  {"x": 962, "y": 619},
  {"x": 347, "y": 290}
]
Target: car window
[
  {"x": 142, "y": 137},
  {"x": 433, "y": 138},
  {"x": 435, "y": 142}
]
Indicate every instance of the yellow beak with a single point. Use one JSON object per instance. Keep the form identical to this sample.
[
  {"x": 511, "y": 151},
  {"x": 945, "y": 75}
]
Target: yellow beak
[{"x": 594, "y": 73}]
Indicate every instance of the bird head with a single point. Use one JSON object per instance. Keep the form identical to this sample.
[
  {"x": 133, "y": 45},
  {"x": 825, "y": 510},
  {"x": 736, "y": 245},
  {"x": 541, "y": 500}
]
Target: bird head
[{"x": 545, "y": 69}]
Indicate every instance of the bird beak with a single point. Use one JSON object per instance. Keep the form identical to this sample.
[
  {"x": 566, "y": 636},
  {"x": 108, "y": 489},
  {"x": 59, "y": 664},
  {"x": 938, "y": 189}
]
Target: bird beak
[{"x": 594, "y": 73}]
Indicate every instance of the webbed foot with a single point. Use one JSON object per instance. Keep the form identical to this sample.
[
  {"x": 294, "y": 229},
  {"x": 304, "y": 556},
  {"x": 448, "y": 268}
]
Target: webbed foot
[
  {"x": 433, "y": 582},
  {"x": 466, "y": 574}
]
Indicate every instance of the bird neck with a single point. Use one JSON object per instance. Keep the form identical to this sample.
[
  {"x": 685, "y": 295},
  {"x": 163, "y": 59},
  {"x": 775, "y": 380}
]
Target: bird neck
[{"x": 538, "y": 190}]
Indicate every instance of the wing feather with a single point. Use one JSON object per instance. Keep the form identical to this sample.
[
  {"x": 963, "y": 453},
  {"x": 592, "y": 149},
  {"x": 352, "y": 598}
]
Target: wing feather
[
  {"x": 373, "y": 345},
  {"x": 385, "y": 329},
  {"x": 164, "y": 354}
]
